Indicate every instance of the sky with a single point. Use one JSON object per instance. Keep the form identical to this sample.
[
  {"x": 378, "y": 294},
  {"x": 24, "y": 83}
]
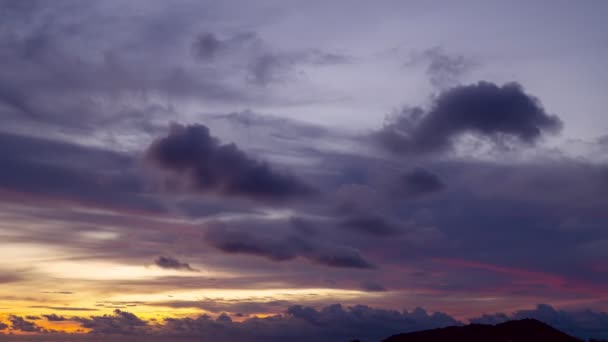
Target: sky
[{"x": 311, "y": 170}]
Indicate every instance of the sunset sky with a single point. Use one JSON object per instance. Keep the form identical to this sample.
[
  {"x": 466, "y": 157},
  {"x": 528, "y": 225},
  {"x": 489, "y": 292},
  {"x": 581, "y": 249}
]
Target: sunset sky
[{"x": 310, "y": 170}]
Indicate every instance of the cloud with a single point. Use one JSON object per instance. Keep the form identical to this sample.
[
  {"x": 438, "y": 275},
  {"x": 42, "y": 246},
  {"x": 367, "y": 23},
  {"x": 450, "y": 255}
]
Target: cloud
[
  {"x": 33, "y": 98},
  {"x": 340, "y": 256},
  {"x": 262, "y": 63},
  {"x": 206, "y": 46},
  {"x": 287, "y": 129},
  {"x": 301, "y": 323},
  {"x": 370, "y": 224},
  {"x": 205, "y": 165},
  {"x": 419, "y": 182},
  {"x": 443, "y": 69},
  {"x": 121, "y": 322},
  {"x": 18, "y": 323},
  {"x": 583, "y": 323},
  {"x": 236, "y": 242},
  {"x": 62, "y": 308},
  {"x": 54, "y": 318},
  {"x": 45, "y": 168},
  {"x": 242, "y": 307},
  {"x": 283, "y": 248},
  {"x": 500, "y": 114},
  {"x": 172, "y": 264},
  {"x": 3, "y": 326},
  {"x": 268, "y": 68},
  {"x": 7, "y": 277},
  {"x": 371, "y": 286}
]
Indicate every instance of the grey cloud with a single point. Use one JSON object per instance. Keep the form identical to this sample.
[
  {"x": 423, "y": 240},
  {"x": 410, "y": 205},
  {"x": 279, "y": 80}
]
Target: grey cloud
[
  {"x": 206, "y": 165},
  {"x": 295, "y": 129},
  {"x": 268, "y": 68},
  {"x": 443, "y": 69},
  {"x": 173, "y": 264},
  {"x": 3, "y": 326},
  {"x": 498, "y": 113},
  {"x": 32, "y": 317},
  {"x": 261, "y": 63},
  {"x": 279, "y": 137},
  {"x": 51, "y": 62},
  {"x": 206, "y": 46},
  {"x": 276, "y": 67}
]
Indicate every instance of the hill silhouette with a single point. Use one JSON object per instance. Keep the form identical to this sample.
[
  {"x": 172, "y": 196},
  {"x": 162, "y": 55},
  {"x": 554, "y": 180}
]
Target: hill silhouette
[{"x": 525, "y": 330}]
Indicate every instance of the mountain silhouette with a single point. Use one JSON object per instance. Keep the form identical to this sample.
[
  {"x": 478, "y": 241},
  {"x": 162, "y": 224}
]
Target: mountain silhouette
[{"x": 525, "y": 330}]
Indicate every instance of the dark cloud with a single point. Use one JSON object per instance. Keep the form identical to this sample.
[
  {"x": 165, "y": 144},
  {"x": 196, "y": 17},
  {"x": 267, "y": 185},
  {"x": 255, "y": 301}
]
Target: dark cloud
[
  {"x": 32, "y": 317},
  {"x": 499, "y": 113},
  {"x": 121, "y": 323},
  {"x": 54, "y": 318},
  {"x": 18, "y": 323},
  {"x": 340, "y": 256},
  {"x": 3, "y": 326},
  {"x": 582, "y": 323},
  {"x": 236, "y": 242},
  {"x": 283, "y": 248},
  {"x": 370, "y": 224},
  {"x": 206, "y": 165},
  {"x": 420, "y": 182},
  {"x": 173, "y": 264},
  {"x": 371, "y": 286}
]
